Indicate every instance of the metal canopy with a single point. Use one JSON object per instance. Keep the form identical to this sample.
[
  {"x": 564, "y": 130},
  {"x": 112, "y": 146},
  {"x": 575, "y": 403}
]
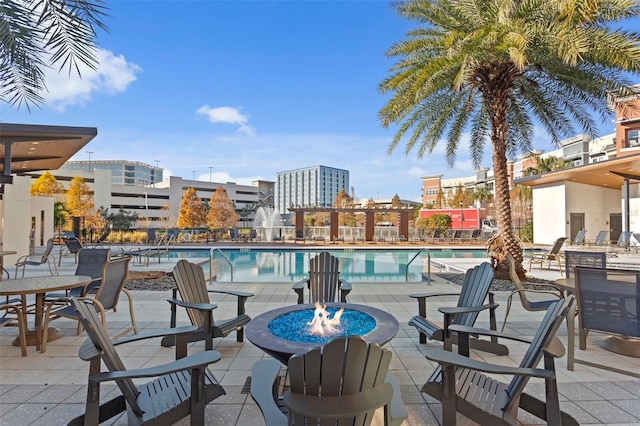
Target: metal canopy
[{"x": 32, "y": 147}]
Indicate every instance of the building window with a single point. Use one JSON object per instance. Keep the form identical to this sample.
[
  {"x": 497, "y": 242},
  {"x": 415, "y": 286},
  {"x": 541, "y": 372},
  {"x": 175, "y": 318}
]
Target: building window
[{"x": 633, "y": 138}]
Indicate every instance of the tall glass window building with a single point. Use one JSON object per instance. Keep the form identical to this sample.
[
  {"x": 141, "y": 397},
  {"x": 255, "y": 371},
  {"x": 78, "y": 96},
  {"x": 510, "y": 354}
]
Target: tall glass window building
[
  {"x": 130, "y": 173},
  {"x": 310, "y": 186}
]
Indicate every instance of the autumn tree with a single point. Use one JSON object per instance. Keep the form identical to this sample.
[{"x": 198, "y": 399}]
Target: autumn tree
[
  {"x": 344, "y": 200},
  {"x": 47, "y": 185},
  {"x": 79, "y": 198},
  {"x": 191, "y": 213},
  {"x": 222, "y": 213}
]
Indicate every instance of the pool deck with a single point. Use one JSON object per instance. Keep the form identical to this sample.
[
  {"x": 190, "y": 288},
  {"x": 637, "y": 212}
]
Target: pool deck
[{"x": 50, "y": 388}]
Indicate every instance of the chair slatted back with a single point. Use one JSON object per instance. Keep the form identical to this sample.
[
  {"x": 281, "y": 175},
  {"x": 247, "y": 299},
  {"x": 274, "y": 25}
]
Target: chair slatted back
[
  {"x": 591, "y": 259},
  {"x": 557, "y": 245},
  {"x": 192, "y": 287},
  {"x": 601, "y": 238},
  {"x": 344, "y": 366},
  {"x": 47, "y": 251},
  {"x": 547, "y": 329},
  {"x": 73, "y": 244},
  {"x": 624, "y": 240},
  {"x": 114, "y": 276},
  {"x": 324, "y": 277},
  {"x": 100, "y": 338},
  {"x": 579, "y": 239},
  {"x": 609, "y": 300},
  {"x": 474, "y": 291}
]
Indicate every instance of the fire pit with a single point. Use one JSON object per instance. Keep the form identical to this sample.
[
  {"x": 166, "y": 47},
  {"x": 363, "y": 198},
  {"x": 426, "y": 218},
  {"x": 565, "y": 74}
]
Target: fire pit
[{"x": 286, "y": 331}]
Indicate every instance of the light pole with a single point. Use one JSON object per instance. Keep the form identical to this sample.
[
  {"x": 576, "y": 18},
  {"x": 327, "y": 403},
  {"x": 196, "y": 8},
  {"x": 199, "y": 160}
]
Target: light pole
[
  {"x": 461, "y": 217},
  {"x": 194, "y": 174},
  {"x": 89, "y": 152},
  {"x": 157, "y": 162},
  {"x": 210, "y": 170}
]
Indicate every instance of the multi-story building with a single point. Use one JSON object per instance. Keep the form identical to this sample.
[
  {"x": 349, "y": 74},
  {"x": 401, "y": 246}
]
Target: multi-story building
[
  {"x": 315, "y": 186},
  {"x": 130, "y": 173}
]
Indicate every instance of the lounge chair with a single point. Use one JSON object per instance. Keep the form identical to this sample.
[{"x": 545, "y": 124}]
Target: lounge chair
[
  {"x": 553, "y": 255},
  {"x": 601, "y": 239},
  {"x": 470, "y": 303},
  {"x": 179, "y": 388},
  {"x": 39, "y": 259},
  {"x": 462, "y": 386},
  {"x": 324, "y": 281},
  {"x": 579, "y": 239},
  {"x": 623, "y": 243},
  {"x": 72, "y": 246}
]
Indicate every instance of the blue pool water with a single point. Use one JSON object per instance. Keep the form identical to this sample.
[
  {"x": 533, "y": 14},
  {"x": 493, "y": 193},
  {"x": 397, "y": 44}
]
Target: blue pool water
[{"x": 289, "y": 265}]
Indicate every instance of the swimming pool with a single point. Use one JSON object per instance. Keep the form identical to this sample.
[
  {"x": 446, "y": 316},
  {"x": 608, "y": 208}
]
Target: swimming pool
[{"x": 291, "y": 265}]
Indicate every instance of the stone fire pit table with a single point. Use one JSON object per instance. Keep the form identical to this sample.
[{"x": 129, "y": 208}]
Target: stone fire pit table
[{"x": 257, "y": 331}]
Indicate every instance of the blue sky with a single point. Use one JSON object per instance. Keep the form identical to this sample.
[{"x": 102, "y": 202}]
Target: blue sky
[{"x": 249, "y": 88}]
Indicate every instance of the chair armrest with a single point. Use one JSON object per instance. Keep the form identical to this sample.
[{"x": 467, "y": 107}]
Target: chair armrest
[
  {"x": 463, "y": 329},
  {"x": 443, "y": 357},
  {"x": 556, "y": 293},
  {"x": 198, "y": 360},
  {"x": 338, "y": 406},
  {"x": 300, "y": 285},
  {"x": 232, "y": 292},
  {"x": 423, "y": 295},
  {"x": 464, "y": 309},
  {"x": 345, "y": 285},
  {"x": 187, "y": 329},
  {"x": 198, "y": 306}
]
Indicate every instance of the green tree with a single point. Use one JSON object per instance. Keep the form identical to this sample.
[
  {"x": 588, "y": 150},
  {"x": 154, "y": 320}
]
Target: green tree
[
  {"x": 46, "y": 185},
  {"x": 192, "y": 212},
  {"x": 43, "y": 34},
  {"x": 494, "y": 68},
  {"x": 222, "y": 213},
  {"x": 546, "y": 165},
  {"x": 60, "y": 215}
]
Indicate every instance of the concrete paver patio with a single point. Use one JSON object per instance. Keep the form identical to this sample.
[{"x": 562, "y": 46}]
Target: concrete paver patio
[{"x": 50, "y": 388}]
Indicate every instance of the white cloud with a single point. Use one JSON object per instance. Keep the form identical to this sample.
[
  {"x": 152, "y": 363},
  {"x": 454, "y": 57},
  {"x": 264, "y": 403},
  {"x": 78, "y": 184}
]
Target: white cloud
[
  {"x": 114, "y": 75},
  {"x": 229, "y": 115},
  {"x": 417, "y": 172}
]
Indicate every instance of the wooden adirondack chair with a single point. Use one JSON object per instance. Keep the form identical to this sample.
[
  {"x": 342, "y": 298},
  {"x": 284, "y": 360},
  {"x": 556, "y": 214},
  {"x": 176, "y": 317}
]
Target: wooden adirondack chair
[
  {"x": 182, "y": 387},
  {"x": 194, "y": 295},
  {"x": 553, "y": 255},
  {"x": 461, "y": 385},
  {"x": 470, "y": 302},
  {"x": 345, "y": 379},
  {"x": 324, "y": 281}
]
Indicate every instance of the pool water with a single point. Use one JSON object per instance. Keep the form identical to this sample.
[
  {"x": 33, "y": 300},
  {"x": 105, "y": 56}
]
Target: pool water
[{"x": 356, "y": 265}]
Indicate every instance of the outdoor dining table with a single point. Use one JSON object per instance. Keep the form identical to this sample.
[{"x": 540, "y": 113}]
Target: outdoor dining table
[{"x": 39, "y": 286}]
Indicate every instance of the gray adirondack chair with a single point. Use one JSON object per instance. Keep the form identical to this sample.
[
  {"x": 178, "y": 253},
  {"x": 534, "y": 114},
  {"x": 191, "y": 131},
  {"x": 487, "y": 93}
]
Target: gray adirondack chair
[
  {"x": 346, "y": 379},
  {"x": 180, "y": 388},
  {"x": 194, "y": 296},
  {"x": 461, "y": 384},
  {"x": 324, "y": 281},
  {"x": 475, "y": 289},
  {"x": 521, "y": 291},
  {"x": 113, "y": 277}
]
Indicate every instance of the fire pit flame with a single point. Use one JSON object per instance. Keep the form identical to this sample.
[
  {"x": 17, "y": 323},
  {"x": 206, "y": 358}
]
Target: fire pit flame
[{"x": 321, "y": 324}]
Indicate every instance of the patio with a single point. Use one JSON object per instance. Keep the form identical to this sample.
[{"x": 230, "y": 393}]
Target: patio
[{"x": 50, "y": 388}]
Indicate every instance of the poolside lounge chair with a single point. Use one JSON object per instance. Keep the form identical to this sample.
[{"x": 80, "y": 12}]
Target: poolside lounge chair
[
  {"x": 579, "y": 239},
  {"x": 623, "y": 243},
  {"x": 194, "y": 296},
  {"x": 462, "y": 386},
  {"x": 533, "y": 288},
  {"x": 601, "y": 239},
  {"x": 324, "y": 281},
  {"x": 470, "y": 302},
  {"x": 39, "y": 259},
  {"x": 178, "y": 389},
  {"x": 553, "y": 255},
  {"x": 345, "y": 379},
  {"x": 72, "y": 246}
]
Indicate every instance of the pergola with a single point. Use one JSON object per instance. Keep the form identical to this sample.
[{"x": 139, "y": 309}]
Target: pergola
[{"x": 369, "y": 228}]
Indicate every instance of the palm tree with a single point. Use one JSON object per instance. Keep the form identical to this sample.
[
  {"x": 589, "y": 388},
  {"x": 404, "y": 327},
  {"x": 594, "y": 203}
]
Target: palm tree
[
  {"x": 495, "y": 67},
  {"x": 47, "y": 33},
  {"x": 546, "y": 165}
]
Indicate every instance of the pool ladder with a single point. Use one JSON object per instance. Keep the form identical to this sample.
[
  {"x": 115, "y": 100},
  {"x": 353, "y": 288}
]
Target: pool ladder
[
  {"x": 406, "y": 271},
  {"x": 224, "y": 256}
]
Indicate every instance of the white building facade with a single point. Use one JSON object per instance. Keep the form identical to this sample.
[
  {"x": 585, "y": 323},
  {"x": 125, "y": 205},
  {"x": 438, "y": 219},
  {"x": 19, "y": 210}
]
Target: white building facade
[{"x": 315, "y": 186}]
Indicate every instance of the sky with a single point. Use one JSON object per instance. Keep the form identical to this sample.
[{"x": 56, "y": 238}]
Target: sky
[{"x": 234, "y": 91}]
